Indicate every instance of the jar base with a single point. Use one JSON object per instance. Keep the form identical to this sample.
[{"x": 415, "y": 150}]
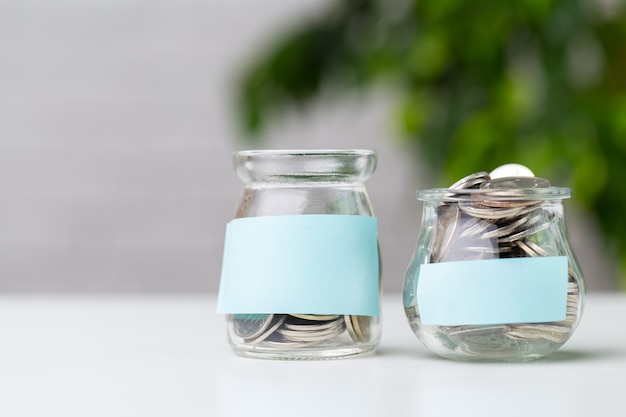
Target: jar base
[
  {"x": 488, "y": 348},
  {"x": 495, "y": 358},
  {"x": 312, "y": 353}
]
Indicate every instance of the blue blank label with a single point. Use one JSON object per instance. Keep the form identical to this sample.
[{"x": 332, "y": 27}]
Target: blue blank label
[
  {"x": 494, "y": 291},
  {"x": 314, "y": 264}
]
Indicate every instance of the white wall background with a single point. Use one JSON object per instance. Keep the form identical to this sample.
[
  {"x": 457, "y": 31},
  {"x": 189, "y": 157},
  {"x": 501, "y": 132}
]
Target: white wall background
[{"x": 116, "y": 134}]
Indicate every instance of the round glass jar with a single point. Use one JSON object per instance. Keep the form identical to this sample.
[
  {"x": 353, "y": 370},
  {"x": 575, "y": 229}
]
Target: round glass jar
[
  {"x": 493, "y": 276},
  {"x": 308, "y": 284}
]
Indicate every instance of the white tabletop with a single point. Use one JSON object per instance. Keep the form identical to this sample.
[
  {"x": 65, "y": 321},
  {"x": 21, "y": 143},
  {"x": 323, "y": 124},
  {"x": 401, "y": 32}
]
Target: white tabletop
[{"x": 168, "y": 356}]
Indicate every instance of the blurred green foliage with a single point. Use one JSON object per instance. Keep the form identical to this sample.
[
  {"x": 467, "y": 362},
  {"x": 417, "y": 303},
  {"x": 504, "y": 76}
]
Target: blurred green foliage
[{"x": 479, "y": 83}]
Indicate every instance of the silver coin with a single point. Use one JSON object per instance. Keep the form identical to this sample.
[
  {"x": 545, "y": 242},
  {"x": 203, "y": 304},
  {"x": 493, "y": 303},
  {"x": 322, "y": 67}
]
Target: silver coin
[
  {"x": 488, "y": 249},
  {"x": 571, "y": 319},
  {"x": 504, "y": 201},
  {"x": 537, "y": 217},
  {"x": 484, "y": 212},
  {"x": 315, "y": 336},
  {"x": 250, "y": 326},
  {"x": 358, "y": 327},
  {"x": 316, "y": 317},
  {"x": 277, "y": 321},
  {"x": 571, "y": 298},
  {"x": 470, "y": 181},
  {"x": 556, "y": 334},
  {"x": 526, "y": 232},
  {"x": 313, "y": 327},
  {"x": 511, "y": 170},
  {"x": 475, "y": 226},
  {"x": 298, "y": 330},
  {"x": 505, "y": 230},
  {"x": 526, "y": 248},
  {"x": 475, "y": 183},
  {"x": 478, "y": 331},
  {"x": 540, "y": 327},
  {"x": 555, "y": 338},
  {"x": 447, "y": 222},
  {"x": 538, "y": 249}
]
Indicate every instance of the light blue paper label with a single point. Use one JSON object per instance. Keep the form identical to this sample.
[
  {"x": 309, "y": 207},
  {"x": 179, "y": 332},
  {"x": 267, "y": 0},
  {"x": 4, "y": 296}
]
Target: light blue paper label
[
  {"x": 315, "y": 264},
  {"x": 494, "y": 291}
]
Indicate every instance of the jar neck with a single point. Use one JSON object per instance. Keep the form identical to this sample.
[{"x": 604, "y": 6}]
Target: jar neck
[{"x": 304, "y": 168}]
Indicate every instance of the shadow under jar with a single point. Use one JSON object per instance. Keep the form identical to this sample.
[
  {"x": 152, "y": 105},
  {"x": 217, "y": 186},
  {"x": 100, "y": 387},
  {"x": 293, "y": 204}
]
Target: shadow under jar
[
  {"x": 493, "y": 276},
  {"x": 301, "y": 270}
]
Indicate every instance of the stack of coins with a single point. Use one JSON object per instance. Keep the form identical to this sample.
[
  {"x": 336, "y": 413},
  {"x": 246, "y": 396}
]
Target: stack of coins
[
  {"x": 501, "y": 222},
  {"x": 299, "y": 330}
]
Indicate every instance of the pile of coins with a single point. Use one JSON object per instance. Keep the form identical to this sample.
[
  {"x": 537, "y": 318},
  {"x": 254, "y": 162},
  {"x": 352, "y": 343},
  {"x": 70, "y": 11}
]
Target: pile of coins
[
  {"x": 500, "y": 221},
  {"x": 490, "y": 228},
  {"x": 298, "y": 330}
]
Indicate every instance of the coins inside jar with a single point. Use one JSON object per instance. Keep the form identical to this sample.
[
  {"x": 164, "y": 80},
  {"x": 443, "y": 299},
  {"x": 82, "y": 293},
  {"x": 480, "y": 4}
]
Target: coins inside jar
[
  {"x": 300, "y": 330},
  {"x": 500, "y": 220}
]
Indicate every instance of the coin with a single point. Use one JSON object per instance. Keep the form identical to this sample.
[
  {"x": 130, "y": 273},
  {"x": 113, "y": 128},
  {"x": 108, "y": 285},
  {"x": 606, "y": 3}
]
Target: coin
[
  {"x": 532, "y": 248},
  {"x": 313, "y": 327},
  {"x": 316, "y": 317},
  {"x": 572, "y": 298},
  {"x": 475, "y": 226},
  {"x": 489, "y": 249},
  {"x": 555, "y": 338},
  {"x": 526, "y": 232},
  {"x": 478, "y": 331},
  {"x": 504, "y": 230},
  {"x": 310, "y": 336},
  {"x": 470, "y": 181},
  {"x": 505, "y": 203},
  {"x": 250, "y": 326},
  {"x": 448, "y": 218},
  {"x": 358, "y": 327},
  {"x": 485, "y": 212},
  {"x": 290, "y": 331},
  {"x": 511, "y": 170},
  {"x": 553, "y": 333},
  {"x": 275, "y": 323}
]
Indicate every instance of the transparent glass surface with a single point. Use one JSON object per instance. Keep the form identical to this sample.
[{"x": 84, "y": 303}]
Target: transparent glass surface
[
  {"x": 476, "y": 224},
  {"x": 303, "y": 182}
]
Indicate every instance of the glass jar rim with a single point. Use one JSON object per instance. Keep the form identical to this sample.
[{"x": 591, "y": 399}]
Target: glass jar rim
[
  {"x": 303, "y": 152},
  {"x": 289, "y": 166},
  {"x": 493, "y": 194}
]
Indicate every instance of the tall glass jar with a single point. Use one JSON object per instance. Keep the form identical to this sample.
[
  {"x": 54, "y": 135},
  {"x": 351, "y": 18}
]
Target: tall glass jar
[
  {"x": 301, "y": 270},
  {"x": 494, "y": 276}
]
